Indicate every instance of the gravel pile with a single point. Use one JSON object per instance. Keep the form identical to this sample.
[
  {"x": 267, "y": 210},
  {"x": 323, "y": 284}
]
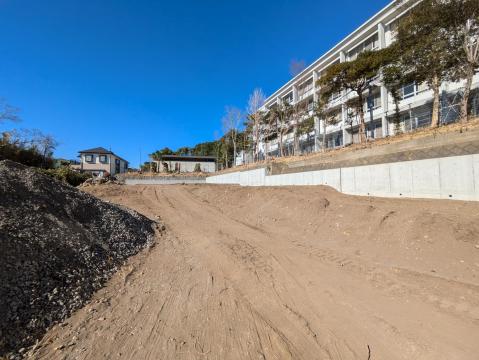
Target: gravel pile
[{"x": 58, "y": 246}]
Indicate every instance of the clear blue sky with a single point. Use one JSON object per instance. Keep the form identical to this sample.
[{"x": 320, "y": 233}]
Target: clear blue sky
[{"x": 131, "y": 74}]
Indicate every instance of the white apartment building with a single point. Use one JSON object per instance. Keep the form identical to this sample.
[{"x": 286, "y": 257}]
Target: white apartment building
[{"x": 415, "y": 106}]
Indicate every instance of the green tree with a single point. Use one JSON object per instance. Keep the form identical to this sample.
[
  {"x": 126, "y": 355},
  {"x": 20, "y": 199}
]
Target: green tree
[
  {"x": 149, "y": 166},
  {"x": 324, "y": 113},
  {"x": 425, "y": 48},
  {"x": 296, "y": 116},
  {"x": 306, "y": 126},
  {"x": 185, "y": 150},
  {"x": 159, "y": 153},
  {"x": 277, "y": 121},
  {"x": 355, "y": 76},
  {"x": 461, "y": 21}
]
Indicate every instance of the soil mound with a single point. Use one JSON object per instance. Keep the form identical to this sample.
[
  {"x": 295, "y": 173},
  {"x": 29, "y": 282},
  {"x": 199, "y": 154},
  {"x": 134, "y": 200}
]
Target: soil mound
[{"x": 58, "y": 245}]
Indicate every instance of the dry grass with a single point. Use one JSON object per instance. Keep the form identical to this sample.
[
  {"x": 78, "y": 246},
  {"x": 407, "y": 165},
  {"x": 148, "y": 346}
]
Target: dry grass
[{"x": 417, "y": 134}]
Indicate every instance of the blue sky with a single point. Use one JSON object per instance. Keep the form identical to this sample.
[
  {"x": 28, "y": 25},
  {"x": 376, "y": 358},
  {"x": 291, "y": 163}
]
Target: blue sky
[{"x": 137, "y": 74}]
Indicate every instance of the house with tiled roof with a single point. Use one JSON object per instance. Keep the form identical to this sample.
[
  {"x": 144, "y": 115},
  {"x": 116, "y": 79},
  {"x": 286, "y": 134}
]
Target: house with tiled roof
[{"x": 100, "y": 161}]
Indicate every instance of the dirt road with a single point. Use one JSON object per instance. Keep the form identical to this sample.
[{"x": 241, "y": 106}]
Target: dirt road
[{"x": 286, "y": 273}]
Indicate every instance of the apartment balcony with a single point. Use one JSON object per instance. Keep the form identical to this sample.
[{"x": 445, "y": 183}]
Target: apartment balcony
[{"x": 306, "y": 94}]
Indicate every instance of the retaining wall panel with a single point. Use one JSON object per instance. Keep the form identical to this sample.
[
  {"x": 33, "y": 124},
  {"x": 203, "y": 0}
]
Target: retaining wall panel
[
  {"x": 401, "y": 179},
  {"x": 362, "y": 179},
  {"x": 432, "y": 178},
  {"x": 332, "y": 177},
  {"x": 457, "y": 176},
  {"x": 348, "y": 181},
  {"x": 425, "y": 175},
  {"x": 379, "y": 180}
]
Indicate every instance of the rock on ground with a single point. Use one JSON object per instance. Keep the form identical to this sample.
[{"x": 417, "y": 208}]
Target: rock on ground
[{"x": 58, "y": 245}]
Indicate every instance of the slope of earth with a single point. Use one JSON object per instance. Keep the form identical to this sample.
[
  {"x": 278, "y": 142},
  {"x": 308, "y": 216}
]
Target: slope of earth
[
  {"x": 58, "y": 245},
  {"x": 286, "y": 273}
]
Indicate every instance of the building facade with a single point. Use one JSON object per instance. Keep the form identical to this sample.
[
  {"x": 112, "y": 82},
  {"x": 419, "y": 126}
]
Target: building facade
[
  {"x": 415, "y": 105},
  {"x": 186, "y": 164},
  {"x": 99, "y": 161}
]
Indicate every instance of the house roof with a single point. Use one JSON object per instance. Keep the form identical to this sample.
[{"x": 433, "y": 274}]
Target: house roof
[
  {"x": 100, "y": 150},
  {"x": 188, "y": 158},
  {"x": 97, "y": 150}
]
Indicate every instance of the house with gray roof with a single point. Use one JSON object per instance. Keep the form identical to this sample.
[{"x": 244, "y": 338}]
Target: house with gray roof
[{"x": 100, "y": 161}]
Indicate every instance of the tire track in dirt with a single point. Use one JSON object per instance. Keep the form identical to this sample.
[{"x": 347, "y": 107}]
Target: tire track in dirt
[{"x": 227, "y": 283}]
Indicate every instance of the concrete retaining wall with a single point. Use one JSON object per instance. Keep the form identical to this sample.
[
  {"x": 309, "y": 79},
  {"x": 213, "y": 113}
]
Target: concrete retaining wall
[
  {"x": 158, "y": 180},
  {"x": 455, "y": 177}
]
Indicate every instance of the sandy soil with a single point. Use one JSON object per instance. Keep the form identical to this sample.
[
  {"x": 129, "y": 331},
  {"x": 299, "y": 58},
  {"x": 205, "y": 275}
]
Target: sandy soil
[{"x": 285, "y": 273}]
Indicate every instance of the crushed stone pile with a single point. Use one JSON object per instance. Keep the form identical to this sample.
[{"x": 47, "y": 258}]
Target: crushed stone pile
[{"x": 58, "y": 245}]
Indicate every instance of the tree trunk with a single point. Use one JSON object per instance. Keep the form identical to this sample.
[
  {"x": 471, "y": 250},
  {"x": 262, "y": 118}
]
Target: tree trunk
[
  {"x": 435, "y": 102},
  {"x": 465, "y": 98},
  {"x": 255, "y": 150},
  {"x": 281, "y": 144},
  {"x": 352, "y": 132},
  {"x": 234, "y": 153},
  {"x": 397, "y": 116},
  {"x": 295, "y": 138},
  {"x": 362, "y": 127},
  {"x": 324, "y": 135}
]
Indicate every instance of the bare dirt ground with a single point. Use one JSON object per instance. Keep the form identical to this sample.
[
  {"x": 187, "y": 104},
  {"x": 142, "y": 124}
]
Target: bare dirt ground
[{"x": 285, "y": 273}]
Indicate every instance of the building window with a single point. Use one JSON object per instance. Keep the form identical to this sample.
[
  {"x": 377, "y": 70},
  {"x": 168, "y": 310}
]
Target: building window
[
  {"x": 409, "y": 90},
  {"x": 305, "y": 87},
  {"x": 103, "y": 159},
  {"x": 370, "y": 44},
  {"x": 288, "y": 99},
  {"x": 375, "y": 101},
  {"x": 335, "y": 96},
  {"x": 89, "y": 158},
  {"x": 310, "y": 104}
]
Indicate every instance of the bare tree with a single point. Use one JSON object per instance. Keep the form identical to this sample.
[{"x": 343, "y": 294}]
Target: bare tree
[
  {"x": 255, "y": 116},
  {"x": 296, "y": 66},
  {"x": 8, "y": 112},
  {"x": 231, "y": 122},
  {"x": 44, "y": 143}
]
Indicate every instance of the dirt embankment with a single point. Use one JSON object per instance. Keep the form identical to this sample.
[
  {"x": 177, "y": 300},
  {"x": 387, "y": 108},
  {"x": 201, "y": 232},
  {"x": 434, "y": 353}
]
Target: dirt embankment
[
  {"x": 58, "y": 245},
  {"x": 286, "y": 273}
]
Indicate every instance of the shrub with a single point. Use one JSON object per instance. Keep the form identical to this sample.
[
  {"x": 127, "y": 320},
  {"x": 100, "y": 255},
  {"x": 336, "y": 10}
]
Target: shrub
[
  {"x": 67, "y": 175},
  {"x": 198, "y": 167}
]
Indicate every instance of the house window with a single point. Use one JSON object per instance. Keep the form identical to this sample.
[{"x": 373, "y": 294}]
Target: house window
[
  {"x": 103, "y": 159},
  {"x": 125, "y": 166},
  {"x": 89, "y": 158}
]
